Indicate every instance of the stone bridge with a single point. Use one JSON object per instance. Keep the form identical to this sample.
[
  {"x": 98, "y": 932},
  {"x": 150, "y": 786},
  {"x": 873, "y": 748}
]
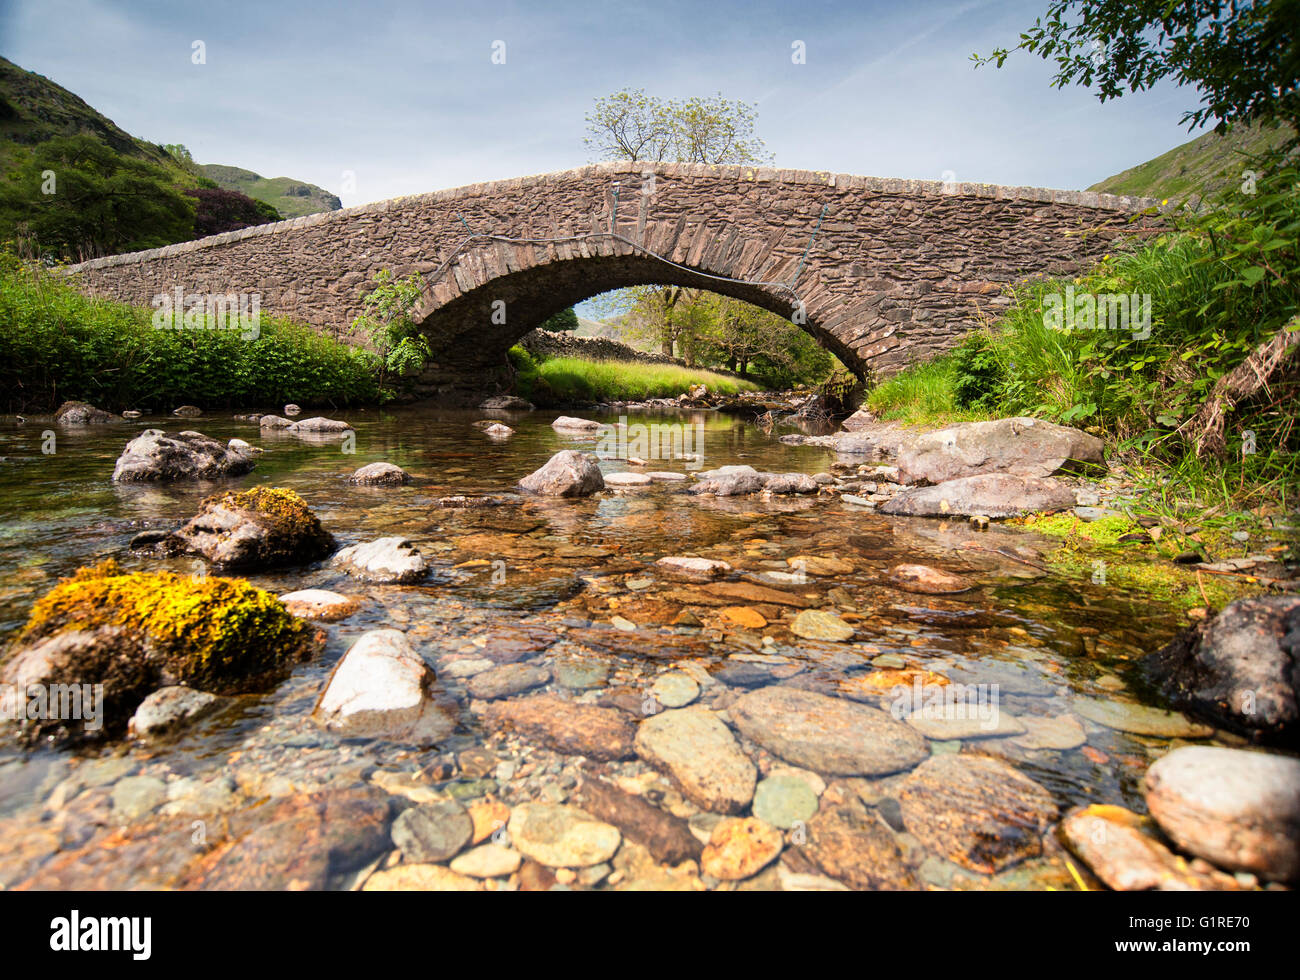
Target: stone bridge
[{"x": 881, "y": 272}]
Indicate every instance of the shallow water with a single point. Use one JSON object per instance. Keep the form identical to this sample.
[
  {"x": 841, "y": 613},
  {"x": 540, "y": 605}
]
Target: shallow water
[{"x": 540, "y": 568}]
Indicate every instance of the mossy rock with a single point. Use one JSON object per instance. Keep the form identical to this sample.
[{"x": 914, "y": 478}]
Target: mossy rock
[
  {"x": 264, "y": 527},
  {"x": 137, "y": 632}
]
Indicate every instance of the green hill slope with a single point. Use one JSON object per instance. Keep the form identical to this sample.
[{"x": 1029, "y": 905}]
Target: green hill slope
[
  {"x": 292, "y": 198},
  {"x": 34, "y": 109},
  {"x": 1196, "y": 168}
]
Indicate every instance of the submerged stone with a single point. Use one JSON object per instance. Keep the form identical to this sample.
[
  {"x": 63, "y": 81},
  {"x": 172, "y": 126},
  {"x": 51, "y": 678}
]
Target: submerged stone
[
  {"x": 385, "y": 561},
  {"x": 561, "y": 836},
  {"x": 827, "y": 735},
  {"x": 976, "y": 811},
  {"x": 695, "y": 748}
]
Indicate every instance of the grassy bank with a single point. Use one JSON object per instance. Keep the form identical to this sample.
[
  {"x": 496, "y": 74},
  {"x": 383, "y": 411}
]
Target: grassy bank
[
  {"x": 1139, "y": 387},
  {"x": 56, "y": 344},
  {"x": 560, "y": 380}
]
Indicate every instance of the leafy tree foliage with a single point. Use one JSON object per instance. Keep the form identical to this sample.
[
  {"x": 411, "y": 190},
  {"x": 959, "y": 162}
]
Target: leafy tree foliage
[
  {"x": 630, "y": 125},
  {"x": 76, "y": 198},
  {"x": 222, "y": 210},
  {"x": 386, "y": 320},
  {"x": 1243, "y": 57},
  {"x": 562, "y": 321}
]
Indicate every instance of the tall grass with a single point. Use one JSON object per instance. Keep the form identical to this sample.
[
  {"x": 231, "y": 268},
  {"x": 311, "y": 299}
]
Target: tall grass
[
  {"x": 572, "y": 379},
  {"x": 924, "y": 394},
  {"x": 1137, "y": 390},
  {"x": 57, "y": 344}
]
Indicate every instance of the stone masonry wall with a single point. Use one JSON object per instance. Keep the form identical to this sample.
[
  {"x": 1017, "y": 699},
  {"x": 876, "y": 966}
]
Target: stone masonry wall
[
  {"x": 551, "y": 343},
  {"x": 897, "y": 271}
]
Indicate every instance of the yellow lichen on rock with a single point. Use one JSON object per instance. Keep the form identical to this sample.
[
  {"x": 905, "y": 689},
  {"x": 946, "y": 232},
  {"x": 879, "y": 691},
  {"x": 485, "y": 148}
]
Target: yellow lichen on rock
[{"x": 221, "y": 635}]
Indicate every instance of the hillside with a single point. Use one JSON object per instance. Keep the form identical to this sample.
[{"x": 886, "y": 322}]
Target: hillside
[
  {"x": 292, "y": 198},
  {"x": 34, "y": 109},
  {"x": 1196, "y": 168}
]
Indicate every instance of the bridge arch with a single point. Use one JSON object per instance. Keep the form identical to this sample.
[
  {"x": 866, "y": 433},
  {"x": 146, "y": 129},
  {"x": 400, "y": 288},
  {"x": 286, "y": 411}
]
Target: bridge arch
[
  {"x": 888, "y": 271},
  {"x": 526, "y": 281}
]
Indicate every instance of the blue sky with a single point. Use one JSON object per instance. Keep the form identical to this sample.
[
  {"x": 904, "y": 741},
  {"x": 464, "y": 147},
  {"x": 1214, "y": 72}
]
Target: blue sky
[{"x": 406, "y": 97}]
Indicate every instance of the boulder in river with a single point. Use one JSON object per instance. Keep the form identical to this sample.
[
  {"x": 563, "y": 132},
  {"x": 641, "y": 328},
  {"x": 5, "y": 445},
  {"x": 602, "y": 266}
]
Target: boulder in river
[
  {"x": 265, "y": 527},
  {"x": 133, "y": 633},
  {"x": 382, "y": 688},
  {"x": 860, "y": 419},
  {"x": 732, "y": 481},
  {"x": 320, "y": 604},
  {"x": 169, "y": 709},
  {"x": 243, "y": 448},
  {"x": 568, "y": 473},
  {"x": 729, "y": 481},
  {"x": 987, "y": 495},
  {"x": 1019, "y": 446},
  {"x": 380, "y": 474},
  {"x": 156, "y": 456},
  {"x": 1240, "y": 668},
  {"x": 1237, "y": 809},
  {"x": 82, "y": 413},
  {"x": 566, "y": 423},
  {"x": 187, "y": 411},
  {"x": 384, "y": 561},
  {"x": 274, "y": 422},
  {"x": 318, "y": 426}
]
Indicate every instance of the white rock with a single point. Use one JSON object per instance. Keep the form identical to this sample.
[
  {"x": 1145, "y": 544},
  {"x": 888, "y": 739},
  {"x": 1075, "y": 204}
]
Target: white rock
[
  {"x": 627, "y": 479},
  {"x": 566, "y": 423},
  {"x": 385, "y": 561},
  {"x": 319, "y": 604},
  {"x": 382, "y": 689}
]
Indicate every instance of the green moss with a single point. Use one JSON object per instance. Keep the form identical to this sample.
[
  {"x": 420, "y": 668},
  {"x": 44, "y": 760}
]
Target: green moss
[
  {"x": 1106, "y": 531},
  {"x": 1093, "y": 551},
  {"x": 220, "y": 635}
]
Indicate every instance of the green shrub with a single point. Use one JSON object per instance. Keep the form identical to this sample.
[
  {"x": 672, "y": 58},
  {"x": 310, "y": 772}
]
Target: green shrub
[
  {"x": 57, "y": 344},
  {"x": 977, "y": 371}
]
